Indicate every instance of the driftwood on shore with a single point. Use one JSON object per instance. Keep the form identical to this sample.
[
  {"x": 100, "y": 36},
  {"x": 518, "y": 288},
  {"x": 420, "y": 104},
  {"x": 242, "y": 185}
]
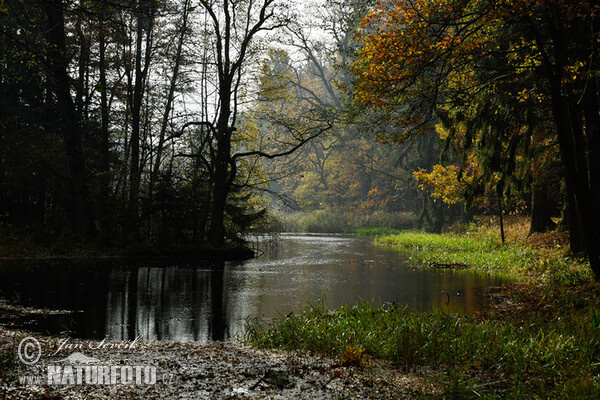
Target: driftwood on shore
[{"x": 448, "y": 265}]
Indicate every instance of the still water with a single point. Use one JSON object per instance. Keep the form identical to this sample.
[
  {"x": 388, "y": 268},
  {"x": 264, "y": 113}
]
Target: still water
[{"x": 209, "y": 301}]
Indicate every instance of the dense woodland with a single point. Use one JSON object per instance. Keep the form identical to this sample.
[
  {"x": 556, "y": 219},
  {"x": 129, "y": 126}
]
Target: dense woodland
[{"x": 181, "y": 122}]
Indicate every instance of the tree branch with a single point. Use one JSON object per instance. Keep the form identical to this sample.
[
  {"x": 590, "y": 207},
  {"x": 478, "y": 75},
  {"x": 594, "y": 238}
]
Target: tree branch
[{"x": 285, "y": 153}]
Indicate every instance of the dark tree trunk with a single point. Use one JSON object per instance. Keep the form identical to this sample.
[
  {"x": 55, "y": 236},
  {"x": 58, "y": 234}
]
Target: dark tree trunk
[
  {"x": 424, "y": 218},
  {"x": 134, "y": 141},
  {"x": 81, "y": 213},
  {"x": 104, "y": 134},
  {"x": 571, "y": 138},
  {"x": 217, "y": 229},
  {"x": 578, "y": 142},
  {"x": 501, "y": 213},
  {"x": 221, "y": 176},
  {"x": 145, "y": 19},
  {"x": 83, "y": 63},
  {"x": 541, "y": 220},
  {"x": 576, "y": 243}
]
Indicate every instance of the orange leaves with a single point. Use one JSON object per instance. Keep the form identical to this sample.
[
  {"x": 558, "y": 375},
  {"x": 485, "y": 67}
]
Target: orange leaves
[
  {"x": 410, "y": 49},
  {"x": 353, "y": 356}
]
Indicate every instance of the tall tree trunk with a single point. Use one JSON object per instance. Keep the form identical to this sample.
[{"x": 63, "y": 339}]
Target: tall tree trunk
[
  {"x": 134, "y": 141},
  {"x": 571, "y": 137},
  {"x": 82, "y": 67},
  {"x": 142, "y": 63},
  {"x": 541, "y": 219},
  {"x": 576, "y": 243},
  {"x": 578, "y": 143},
  {"x": 81, "y": 215},
  {"x": 104, "y": 133},
  {"x": 221, "y": 175}
]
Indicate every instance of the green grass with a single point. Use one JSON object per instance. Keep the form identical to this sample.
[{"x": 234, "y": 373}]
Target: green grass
[
  {"x": 482, "y": 253},
  {"x": 487, "y": 253},
  {"x": 429, "y": 241},
  {"x": 537, "y": 358}
]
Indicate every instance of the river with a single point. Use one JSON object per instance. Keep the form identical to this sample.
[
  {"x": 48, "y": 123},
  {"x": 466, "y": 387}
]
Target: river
[{"x": 210, "y": 301}]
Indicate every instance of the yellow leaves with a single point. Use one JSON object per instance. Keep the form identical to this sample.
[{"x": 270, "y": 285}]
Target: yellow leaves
[
  {"x": 578, "y": 70},
  {"x": 444, "y": 181},
  {"x": 404, "y": 41},
  {"x": 441, "y": 131},
  {"x": 522, "y": 96}
]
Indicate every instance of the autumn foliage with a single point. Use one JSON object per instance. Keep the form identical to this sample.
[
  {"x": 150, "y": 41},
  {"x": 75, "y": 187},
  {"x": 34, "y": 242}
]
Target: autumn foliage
[{"x": 514, "y": 83}]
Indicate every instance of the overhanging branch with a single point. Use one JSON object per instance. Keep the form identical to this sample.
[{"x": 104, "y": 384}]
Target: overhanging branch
[{"x": 285, "y": 153}]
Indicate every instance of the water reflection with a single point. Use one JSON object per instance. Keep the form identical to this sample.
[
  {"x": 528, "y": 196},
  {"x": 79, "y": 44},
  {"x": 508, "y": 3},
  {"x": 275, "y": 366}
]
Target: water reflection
[
  {"x": 166, "y": 303},
  {"x": 210, "y": 301}
]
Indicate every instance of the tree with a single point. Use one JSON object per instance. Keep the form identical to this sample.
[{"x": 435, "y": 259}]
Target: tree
[
  {"x": 420, "y": 57},
  {"x": 235, "y": 27},
  {"x": 345, "y": 169}
]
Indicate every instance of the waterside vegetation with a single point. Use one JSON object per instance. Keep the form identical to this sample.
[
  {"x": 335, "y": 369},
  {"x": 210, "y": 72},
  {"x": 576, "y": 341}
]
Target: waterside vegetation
[{"x": 539, "y": 339}]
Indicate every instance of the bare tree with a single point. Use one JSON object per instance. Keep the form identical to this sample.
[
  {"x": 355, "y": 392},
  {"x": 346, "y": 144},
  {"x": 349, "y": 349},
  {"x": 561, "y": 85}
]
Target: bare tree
[{"x": 235, "y": 26}]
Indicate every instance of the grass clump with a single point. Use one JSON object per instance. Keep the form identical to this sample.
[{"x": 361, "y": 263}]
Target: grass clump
[
  {"x": 428, "y": 241},
  {"x": 527, "y": 356},
  {"x": 485, "y": 252}
]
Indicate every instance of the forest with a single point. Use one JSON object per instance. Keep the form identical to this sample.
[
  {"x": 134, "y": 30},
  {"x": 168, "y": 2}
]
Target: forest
[
  {"x": 178, "y": 122},
  {"x": 300, "y": 199}
]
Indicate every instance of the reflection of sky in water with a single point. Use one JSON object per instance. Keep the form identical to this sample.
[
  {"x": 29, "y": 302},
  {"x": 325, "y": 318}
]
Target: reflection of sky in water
[{"x": 185, "y": 303}]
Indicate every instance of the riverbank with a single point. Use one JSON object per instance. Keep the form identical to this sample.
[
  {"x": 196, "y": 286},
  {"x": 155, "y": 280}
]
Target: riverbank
[
  {"x": 222, "y": 370},
  {"x": 78, "y": 251},
  {"x": 539, "y": 258},
  {"x": 539, "y": 339}
]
